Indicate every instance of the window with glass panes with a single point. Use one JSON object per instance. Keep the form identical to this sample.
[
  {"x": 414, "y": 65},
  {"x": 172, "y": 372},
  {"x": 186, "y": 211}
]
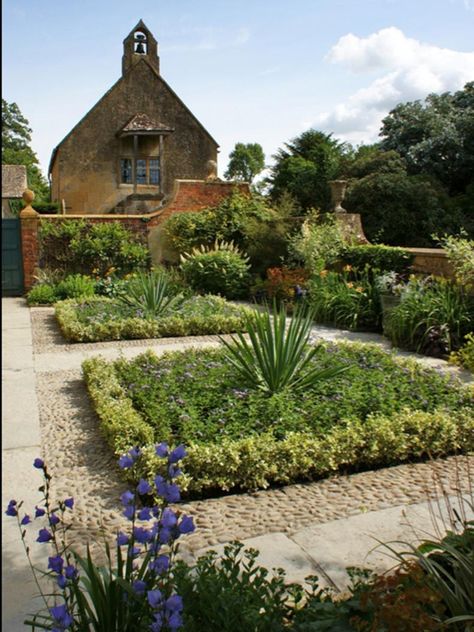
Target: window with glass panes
[{"x": 147, "y": 171}]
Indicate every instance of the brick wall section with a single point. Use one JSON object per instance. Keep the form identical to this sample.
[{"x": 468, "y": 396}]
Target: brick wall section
[
  {"x": 29, "y": 249},
  {"x": 189, "y": 195}
]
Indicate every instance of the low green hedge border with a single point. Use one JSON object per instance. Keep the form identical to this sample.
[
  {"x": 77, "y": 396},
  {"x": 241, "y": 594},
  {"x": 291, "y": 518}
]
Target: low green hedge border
[
  {"x": 259, "y": 461},
  {"x": 378, "y": 257},
  {"x": 135, "y": 328}
]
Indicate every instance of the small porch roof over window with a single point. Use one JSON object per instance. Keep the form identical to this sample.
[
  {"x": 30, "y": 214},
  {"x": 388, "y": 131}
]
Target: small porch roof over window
[{"x": 142, "y": 125}]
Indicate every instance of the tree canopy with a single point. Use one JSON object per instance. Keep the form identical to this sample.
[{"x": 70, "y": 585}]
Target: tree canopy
[
  {"x": 435, "y": 137},
  {"x": 305, "y": 166},
  {"x": 245, "y": 162},
  {"x": 16, "y": 150}
]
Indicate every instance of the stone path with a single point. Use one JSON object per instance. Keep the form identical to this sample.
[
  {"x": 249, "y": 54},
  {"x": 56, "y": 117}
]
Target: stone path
[{"x": 291, "y": 525}]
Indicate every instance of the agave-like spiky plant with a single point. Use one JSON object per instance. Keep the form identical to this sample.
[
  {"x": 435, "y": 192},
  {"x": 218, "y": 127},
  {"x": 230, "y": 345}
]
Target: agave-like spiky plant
[
  {"x": 278, "y": 354},
  {"x": 151, "y": 293}
]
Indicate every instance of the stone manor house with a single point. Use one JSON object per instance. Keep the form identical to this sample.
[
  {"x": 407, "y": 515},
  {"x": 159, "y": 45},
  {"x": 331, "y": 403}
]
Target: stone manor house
[{"x": 126, "y": 153}]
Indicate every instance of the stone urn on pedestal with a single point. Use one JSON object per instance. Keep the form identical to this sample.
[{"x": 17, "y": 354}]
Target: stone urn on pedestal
[
  {"x": 338, "y": 190},
  {"x": 349, "y": 223}
]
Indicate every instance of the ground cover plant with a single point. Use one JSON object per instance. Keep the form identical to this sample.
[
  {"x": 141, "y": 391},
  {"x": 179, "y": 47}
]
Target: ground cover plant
[
  {"x": 380, "y": 411},
  {"x": 102, "y": 318}
]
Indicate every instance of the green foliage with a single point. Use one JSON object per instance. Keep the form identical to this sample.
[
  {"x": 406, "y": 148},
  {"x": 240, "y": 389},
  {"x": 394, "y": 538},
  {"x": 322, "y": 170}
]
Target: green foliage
[
  {"x": 46, "y": 208},
  {"x": 109, "y": 246},
  {"x": 461, "y": 255},
  {"x": 219, "y": 269},
  {"x": 16, "y": 150},
  {"x": 247, "y": 220},
  {"x": 435, "y": 137},
  {"x": 43, "y": 294},
  {"x": 306, "y": 165},
  {"x": 76, "y": 286},
  {"x": 350, "y": 299},
  {"x": 101, "y": 318},
  {"x": 55, "y": 244},
  {"x": 377, "y": 257},
  {"x": 319, "y": 244},
  {"x": 398, "y": 209},
  {"x": 278, "y": 356},
  {"x": 379, "y": 412},
  {"x": 151, "y": 294},
  {"x": 78, "y": 246},
  {"x": 433, "y": 317},
  {"x": 465, "y": 355},
  {"x": 246, "y": 161},
  {"x": 376, "y": 160},
  {"x": 234, "y": 593}
]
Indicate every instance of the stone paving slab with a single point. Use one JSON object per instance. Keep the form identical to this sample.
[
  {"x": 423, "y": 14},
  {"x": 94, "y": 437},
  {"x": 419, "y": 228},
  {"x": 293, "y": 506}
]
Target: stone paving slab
[{"x": 67, "y": 361}]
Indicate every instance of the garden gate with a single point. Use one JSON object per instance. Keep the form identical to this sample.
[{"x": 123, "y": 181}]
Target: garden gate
[{"x": 12, "y": 261}]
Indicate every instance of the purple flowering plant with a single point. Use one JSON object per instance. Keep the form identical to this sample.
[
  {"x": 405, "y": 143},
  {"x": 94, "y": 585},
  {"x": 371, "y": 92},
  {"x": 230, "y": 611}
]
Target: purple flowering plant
[{"x": 134, "y": 590}]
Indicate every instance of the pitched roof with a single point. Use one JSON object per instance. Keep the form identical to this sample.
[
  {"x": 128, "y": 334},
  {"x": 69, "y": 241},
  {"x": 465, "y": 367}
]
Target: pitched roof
[
  {"x": 141, "y": 122},
  {"x": 13, "y": 181},
  {"x": 110, "y": 90}
]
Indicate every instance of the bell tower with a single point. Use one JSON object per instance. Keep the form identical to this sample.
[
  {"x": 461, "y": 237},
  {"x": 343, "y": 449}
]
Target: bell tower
[{"x": 139, "y": 44}]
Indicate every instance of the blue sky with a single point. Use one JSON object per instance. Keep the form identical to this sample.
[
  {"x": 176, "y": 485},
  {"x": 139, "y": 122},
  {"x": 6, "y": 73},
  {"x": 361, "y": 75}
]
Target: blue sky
[{"x": 251, "y": 71}]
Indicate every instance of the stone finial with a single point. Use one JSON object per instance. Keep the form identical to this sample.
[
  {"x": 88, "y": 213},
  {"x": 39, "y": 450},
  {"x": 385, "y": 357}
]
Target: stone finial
[
  {"x": 28, "y": 211},
  {"x": 338, "y": 190},
  {"x": 211, "y": 170}
]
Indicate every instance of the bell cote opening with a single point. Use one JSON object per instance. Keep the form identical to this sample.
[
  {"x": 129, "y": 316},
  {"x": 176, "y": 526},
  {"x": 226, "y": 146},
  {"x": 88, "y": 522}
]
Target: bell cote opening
[{"x": 140, "y": 44}]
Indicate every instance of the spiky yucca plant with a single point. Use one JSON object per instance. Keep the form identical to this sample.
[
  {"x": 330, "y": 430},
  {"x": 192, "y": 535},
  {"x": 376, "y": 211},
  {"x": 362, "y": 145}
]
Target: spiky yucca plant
[
  {"x": 151, "y": 294},
  {"x": 277, "y": 355}
]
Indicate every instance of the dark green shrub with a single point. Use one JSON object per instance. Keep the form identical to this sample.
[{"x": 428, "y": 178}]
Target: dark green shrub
[
  {"x": 43, "y": 294},
  {"x": 76, "y": 286},
  {"x": 46, "y": 208},
  {"x": 221, "y": 269},
  {"x": 379, "y": 257}
]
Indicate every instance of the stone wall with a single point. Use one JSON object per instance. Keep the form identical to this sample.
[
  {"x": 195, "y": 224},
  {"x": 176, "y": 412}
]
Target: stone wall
[{"x": 431, "y": 261}]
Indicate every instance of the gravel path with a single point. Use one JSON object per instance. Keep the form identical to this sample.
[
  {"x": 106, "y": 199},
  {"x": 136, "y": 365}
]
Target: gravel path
[{"x": 82, "y": 466}]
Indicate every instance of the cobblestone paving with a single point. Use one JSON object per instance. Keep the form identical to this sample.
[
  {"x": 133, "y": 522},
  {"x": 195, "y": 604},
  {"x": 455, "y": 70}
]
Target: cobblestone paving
[{"x": 82, "y": 466}]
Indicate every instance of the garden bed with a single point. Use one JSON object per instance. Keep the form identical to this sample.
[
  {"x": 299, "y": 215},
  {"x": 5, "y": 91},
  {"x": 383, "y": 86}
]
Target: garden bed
[
  {"x": 97, "y": 319},
  {"x": 381, "y": 411}
]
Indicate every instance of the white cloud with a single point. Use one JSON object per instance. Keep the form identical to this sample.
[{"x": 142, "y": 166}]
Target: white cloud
[{"x": 409, "y": 69}]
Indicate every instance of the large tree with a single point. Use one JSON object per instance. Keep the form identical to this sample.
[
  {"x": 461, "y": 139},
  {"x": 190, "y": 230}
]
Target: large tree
[
  {"x": 435, "y": 137},
  {"x": 16, "y": 150},
  {"x": 305, "y": 166},
  {"x": 397, "y": 208},
  {"x": 245, "y": 162}
]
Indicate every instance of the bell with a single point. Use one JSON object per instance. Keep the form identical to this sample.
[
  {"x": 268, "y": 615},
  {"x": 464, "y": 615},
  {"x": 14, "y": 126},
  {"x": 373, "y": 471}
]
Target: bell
[{"x": 140, "y": 49}]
